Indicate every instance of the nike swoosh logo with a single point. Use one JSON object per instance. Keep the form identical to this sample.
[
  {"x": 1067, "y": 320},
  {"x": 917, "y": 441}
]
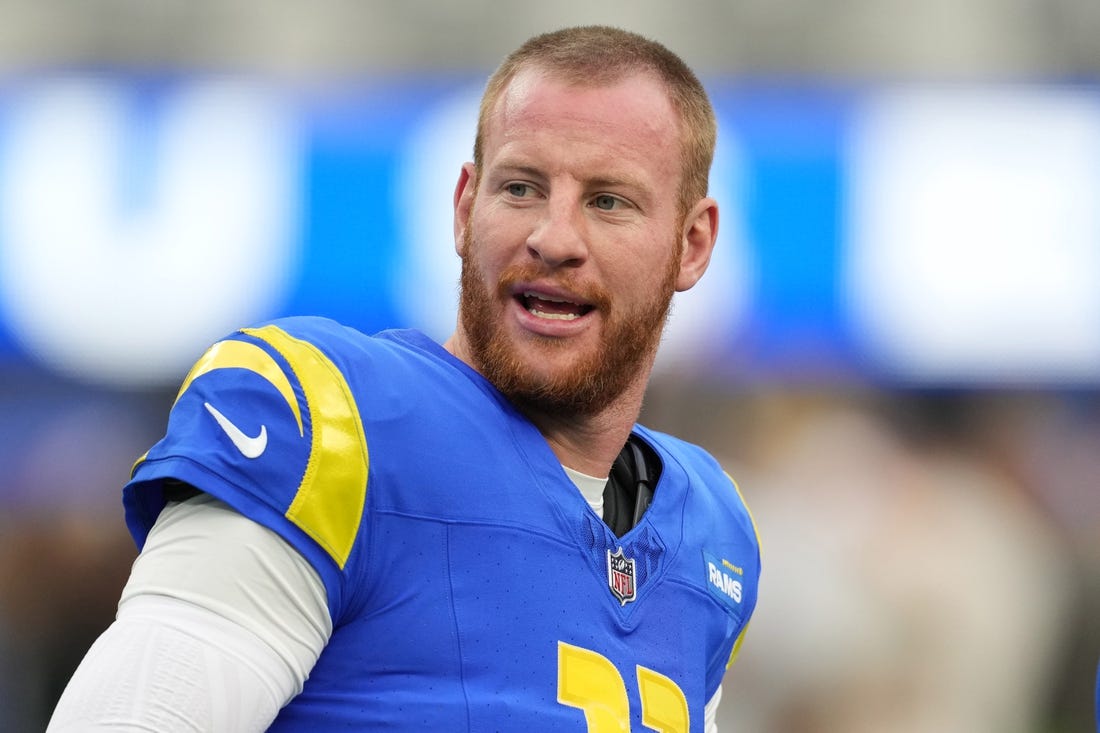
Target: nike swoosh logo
[{"x": 249, "y": 447}]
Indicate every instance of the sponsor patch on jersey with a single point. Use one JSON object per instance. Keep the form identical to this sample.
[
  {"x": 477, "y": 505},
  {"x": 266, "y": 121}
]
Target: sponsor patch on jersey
[
  {"x": 620, "y": 576},
  {"x": 724, "y": 580}
]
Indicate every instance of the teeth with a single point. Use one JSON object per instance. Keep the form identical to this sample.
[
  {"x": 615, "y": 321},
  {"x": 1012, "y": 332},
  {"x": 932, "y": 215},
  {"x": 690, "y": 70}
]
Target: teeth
[
  {"x": 532, "y": 307},
  {"x": 554, "y": 316}
]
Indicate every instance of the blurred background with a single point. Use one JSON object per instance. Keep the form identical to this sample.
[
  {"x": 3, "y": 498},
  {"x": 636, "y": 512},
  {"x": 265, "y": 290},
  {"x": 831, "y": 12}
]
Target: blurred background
[{"x": 896, "y": 351}]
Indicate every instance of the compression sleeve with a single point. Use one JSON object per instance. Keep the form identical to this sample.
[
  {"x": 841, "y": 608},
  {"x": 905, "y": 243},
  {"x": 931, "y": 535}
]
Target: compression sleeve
[
  {"x": 208, "y": 636},
  {"x": 204, "y": 552},
  {"x": 166, "y": 666},
  {"x": 218, "y": 628},
  {"x": 710, "y": 712}
]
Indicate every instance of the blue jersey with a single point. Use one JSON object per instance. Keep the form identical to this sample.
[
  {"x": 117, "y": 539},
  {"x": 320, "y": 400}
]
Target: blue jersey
[{"x": 470, "y": 585}]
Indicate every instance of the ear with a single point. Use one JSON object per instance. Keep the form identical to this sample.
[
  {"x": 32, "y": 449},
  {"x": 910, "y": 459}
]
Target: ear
[
  {"x": 699, "y": 234},
  {"x": 464, "y": 202}
]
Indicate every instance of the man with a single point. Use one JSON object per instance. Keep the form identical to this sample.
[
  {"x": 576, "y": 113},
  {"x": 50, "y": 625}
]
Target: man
[{"x": 379, "y": 533}]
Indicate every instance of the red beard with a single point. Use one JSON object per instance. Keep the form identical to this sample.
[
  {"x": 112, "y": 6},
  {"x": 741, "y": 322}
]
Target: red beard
[{"x": 593, "y": 380}]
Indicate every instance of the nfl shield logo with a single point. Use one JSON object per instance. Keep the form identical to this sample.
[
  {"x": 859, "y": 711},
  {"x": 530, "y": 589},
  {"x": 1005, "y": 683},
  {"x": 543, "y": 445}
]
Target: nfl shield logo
[{"x": 620, "y": 576}]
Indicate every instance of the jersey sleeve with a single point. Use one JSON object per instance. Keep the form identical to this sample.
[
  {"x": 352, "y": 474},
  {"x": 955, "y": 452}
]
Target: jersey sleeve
[{"x": 266, "y": 422}]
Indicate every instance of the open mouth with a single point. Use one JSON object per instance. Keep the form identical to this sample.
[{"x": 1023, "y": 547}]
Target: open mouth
[{"x": 545, "y": 306}]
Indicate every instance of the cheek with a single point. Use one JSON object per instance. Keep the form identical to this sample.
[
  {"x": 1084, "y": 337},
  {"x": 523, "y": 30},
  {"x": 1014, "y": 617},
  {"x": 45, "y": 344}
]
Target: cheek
[
  {"x": 490, "y": 239},
  {"x": 647, "y": 275},
  {"x": 637, "y": 267}
]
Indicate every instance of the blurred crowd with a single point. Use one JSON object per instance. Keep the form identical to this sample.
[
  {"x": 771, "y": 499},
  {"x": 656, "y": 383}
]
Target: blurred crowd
[{"x": 931, "y": 559}]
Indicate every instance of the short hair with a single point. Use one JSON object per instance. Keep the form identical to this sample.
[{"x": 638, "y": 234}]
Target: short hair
[{"x": 602, "y": 55}]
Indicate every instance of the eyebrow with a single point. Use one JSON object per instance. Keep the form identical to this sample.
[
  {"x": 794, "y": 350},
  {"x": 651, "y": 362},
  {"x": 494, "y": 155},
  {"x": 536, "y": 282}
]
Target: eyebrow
[
  {"x": 505, "y": 168},
  {"x": 627, "y": 182}
]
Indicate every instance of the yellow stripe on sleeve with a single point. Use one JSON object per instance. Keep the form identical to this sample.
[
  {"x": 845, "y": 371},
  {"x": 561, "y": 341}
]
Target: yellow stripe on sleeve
[
  {"x": 329, "y": 503},
  {"x": 242, "y": 355},
  {"x": 756, "y": 532}
]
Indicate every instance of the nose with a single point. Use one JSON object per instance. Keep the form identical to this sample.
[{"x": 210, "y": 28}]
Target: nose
[{"x": 560, "y": 236}]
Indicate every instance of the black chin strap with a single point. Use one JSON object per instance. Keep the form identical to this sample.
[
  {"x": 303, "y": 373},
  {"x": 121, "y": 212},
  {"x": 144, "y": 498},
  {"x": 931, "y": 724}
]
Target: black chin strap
[{"x": 629, "y": 489}]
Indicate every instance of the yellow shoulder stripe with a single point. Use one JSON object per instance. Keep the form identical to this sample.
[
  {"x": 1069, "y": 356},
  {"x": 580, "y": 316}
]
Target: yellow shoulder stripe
[
  {"x": 329, "y": 503},
  {"x": 737, "y": 646},
  {"x": 755, "y": 530},
  {"x": 243, "y": 355}
]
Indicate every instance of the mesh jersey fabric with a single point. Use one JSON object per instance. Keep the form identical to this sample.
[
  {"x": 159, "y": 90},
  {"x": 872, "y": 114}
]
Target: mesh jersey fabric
[{"x": 470, "y": 585}]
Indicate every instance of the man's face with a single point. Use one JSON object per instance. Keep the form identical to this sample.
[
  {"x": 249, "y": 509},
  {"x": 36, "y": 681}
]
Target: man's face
[{"x": 571, "y": 244}]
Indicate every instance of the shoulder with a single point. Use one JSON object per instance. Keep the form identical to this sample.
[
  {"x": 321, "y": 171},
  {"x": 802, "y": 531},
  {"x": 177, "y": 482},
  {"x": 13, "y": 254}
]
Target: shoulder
[
  {"x": 716, "y": 516},
  {"x": 270, "y": 420},
  {"x": 399, "y": 354},
  {"x": 304, "y": 339},
  {"x": 288, "y": 421},
  {"x": 705, "y": 476},
  {"x": 718, "y": 548},
  {"x": 308, "y": 353},
  {"x": 290, "y": 347}
]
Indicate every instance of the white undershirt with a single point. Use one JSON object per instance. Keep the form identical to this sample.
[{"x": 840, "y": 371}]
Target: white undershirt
[
  {"x": 591, "y": 488},
  {"x": 218, "y": 628}
]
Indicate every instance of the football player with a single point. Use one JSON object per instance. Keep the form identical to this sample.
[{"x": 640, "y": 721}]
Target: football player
[{"x": 341, "y": 531}]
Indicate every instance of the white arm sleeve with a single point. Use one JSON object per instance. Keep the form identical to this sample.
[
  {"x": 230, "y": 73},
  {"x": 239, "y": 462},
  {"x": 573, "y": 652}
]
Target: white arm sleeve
[
  {"x": 166, "y": 666},
  {"x": 218, "y": 628},
  {"x": 710, "y": 712}
]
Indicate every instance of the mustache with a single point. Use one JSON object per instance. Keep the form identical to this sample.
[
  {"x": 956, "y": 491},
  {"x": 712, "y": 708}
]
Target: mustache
[{"x": 592, "y": 294}]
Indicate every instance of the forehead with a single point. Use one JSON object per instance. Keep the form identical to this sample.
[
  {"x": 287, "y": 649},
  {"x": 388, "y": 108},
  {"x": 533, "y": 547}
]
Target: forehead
[{"x": 631, "y": 118}]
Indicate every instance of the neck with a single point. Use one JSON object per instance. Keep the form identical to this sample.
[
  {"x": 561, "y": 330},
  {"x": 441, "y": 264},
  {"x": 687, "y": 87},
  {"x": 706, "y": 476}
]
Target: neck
[
  {"x": 589, "y": 444},
  {"x": 586, "y": 443}
]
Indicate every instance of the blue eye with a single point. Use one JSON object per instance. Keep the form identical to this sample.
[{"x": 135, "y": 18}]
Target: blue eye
[
  {"x": 605, "y": 202},
  {"x": 519, "y": 190}
]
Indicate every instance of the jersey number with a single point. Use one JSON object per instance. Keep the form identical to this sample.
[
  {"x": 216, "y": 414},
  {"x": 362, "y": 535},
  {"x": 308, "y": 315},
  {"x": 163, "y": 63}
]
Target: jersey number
[{"x": 589, "y": 681}]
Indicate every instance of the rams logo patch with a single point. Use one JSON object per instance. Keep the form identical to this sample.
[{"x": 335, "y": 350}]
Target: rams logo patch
[{"x": 724, "y": 580}]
